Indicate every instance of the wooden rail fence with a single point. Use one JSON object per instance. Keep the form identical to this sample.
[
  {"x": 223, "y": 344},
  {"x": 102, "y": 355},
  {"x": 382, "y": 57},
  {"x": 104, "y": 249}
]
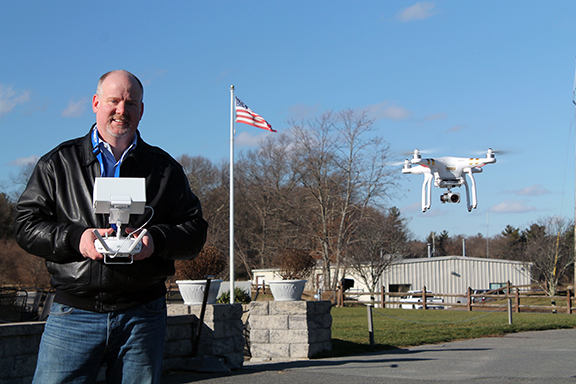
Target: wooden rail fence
[{"x": 524, "y": 298}]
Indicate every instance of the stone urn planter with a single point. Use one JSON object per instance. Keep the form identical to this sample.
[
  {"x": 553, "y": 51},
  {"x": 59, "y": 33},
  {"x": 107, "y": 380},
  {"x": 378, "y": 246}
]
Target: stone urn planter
[
  {"x": 287, "y": 290},
  {"x": 192, "y": 291}
]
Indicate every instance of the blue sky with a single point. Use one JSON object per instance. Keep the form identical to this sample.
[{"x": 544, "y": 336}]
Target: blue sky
[{"x": 450, "y": 75}]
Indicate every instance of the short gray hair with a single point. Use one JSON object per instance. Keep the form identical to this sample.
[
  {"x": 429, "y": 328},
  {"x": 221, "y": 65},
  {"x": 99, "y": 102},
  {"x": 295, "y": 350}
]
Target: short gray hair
[{"x": 129, "y": 74}]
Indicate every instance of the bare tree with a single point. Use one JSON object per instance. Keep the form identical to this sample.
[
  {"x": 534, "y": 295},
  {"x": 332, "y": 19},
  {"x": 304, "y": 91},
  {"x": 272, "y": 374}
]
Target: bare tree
[
  {"x": 202, "y": 175},
  {"x": 210, "y": 183},
  {"x": 343, "y": 169},
  {"x": 15, "y": 186},
  {"x": 6, "y": 217},
  {"x": 381, "y": 240},
  {"x": 19, "y": 267},
  {"x": 549, "y": 251}
]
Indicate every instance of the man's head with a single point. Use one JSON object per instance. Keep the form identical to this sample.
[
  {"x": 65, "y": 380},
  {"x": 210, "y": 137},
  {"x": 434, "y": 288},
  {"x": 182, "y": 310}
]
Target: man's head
[{"x": 118, "y": 106}]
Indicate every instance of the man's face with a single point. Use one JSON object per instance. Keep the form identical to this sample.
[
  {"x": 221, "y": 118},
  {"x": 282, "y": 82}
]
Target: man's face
[{"x": 118, "y": 108}]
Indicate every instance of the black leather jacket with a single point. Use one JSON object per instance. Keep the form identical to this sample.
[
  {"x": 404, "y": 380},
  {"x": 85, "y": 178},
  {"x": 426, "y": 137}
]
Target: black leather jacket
[{"x": 56, "y": 208}]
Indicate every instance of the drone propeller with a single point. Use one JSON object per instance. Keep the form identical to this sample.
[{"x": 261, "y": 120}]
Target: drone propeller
[
  {"x": 422, "y": 152},
  {"x": 494, "y": 151}
]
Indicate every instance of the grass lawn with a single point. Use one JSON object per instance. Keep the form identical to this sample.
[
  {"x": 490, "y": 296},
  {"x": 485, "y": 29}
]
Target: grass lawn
[{"x": 396, "y": 328}]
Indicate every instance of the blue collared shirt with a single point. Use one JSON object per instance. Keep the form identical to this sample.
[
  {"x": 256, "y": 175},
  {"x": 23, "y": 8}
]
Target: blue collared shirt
[{"x": 109, "y": 167}]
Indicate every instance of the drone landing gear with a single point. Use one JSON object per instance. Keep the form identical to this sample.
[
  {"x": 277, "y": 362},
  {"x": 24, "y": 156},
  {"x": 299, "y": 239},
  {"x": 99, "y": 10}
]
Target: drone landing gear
[{"x": 472, "y": 206}]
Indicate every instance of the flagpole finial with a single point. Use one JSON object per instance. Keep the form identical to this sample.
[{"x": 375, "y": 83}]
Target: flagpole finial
[{"x": 232, "y": 87}]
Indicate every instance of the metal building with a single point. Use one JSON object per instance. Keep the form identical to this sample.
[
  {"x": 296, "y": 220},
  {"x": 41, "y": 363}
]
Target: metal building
[
  {"x": 453, "y": 274},
  {"x": 443, "y": 275}
]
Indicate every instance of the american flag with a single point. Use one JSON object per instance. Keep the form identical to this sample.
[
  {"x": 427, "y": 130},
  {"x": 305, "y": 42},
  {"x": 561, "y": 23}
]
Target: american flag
[{"x": 247, "y": 116}]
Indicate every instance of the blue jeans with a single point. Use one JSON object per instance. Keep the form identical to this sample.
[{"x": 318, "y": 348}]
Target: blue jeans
[{"x": 76, "y": 343}]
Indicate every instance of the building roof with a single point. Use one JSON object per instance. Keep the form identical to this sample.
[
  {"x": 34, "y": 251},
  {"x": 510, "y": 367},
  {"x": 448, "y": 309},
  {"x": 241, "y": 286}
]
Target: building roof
[{"x": 444, "y": 258}]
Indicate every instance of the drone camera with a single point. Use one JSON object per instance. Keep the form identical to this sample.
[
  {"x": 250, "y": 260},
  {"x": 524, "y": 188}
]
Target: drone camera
[{"x": 450, "y": 197}]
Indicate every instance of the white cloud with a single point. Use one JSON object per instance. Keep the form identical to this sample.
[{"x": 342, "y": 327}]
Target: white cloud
[
  {"x": 418, "y": 11},
  {"x": 533, "y": 190},
  {"x": 416, "y": 209},
  {"x": 24, "y": 161},
  {"x": 246, "y": 139},
  {"x": 386, "y": 110},
  {"x": 512, "y": 206},
  {"x": 9, "y": 99},
  {"x": 75, "y": 108}
]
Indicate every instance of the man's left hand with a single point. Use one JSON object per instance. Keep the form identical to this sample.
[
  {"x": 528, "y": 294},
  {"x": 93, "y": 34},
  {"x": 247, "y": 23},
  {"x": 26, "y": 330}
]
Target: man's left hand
[{"x": 147, "y": 245}]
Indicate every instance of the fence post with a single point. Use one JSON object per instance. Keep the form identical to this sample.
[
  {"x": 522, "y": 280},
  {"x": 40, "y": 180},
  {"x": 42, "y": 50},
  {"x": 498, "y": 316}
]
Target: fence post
[
  {"x": 382, "y": 297},
  {"x": 370, "y": 324},
  {"x": 509, "y": 311},
  {"x": 424, "y": 298},
  {"x": 469, "y": 296},
  {"x": 569, "y": 301},
  {"x": 517, "y": 300},
  {"x": 339, "y": 295}
]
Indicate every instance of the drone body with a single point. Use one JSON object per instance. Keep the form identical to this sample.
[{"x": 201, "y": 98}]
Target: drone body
[{"x": 447, "y": 172}]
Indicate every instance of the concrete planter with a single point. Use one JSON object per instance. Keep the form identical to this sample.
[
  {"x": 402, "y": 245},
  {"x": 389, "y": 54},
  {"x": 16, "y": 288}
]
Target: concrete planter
[
  {"x": 192, "y": 291},
  {"x": 289, "y": 330},
  {"x": 287, "y": 290}
]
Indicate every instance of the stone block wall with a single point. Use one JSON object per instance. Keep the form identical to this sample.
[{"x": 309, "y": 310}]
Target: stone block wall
[
  {"x": 289, "y": 330},
  {"x": 221, "y": 336},
  {"x": 19, "y": 344}
]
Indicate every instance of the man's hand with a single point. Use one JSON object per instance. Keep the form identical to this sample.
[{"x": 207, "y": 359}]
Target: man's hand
[
  {"x": 87, "y": 248},
  {"x": 147, "y": 245},
  {"x": 89, "y": 251}
]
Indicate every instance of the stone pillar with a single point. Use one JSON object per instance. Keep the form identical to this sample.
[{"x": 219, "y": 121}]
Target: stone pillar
[
  {"x": 221, "y": 336},
  {"x": 289, "y": 330}
]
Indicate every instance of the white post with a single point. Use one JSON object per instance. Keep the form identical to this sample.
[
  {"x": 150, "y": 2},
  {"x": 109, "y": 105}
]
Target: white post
[
  {"x": 231, "y": 194},
  {"x": 370, "y": 324}
]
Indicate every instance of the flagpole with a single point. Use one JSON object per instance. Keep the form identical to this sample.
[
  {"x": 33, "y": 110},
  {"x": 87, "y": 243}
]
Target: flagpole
[
  {"x": 574, "y": 277},
  {"x": 231, "y": 194}
]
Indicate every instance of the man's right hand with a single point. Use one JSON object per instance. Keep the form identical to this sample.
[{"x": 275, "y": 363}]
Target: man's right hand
[{"x": 87, "y": 248}]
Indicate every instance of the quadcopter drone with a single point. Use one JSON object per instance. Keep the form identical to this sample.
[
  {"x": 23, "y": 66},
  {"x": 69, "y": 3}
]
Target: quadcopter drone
[{"x": 447, "y": 172}]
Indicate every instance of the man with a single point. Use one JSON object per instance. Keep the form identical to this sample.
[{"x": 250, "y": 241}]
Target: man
[{"x": 107, "y": 313}]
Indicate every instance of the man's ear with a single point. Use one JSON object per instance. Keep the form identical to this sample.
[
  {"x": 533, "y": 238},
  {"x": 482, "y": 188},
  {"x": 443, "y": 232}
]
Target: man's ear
[{"x": 95, "y": 103}]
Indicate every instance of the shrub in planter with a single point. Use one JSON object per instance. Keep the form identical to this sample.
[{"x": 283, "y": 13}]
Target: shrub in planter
[
  {"x": 210, "y": 261},
  {"x": 296, "y": 264},
  {"x": 191, "y": 275},
  {"x": 240, "y": 296}
]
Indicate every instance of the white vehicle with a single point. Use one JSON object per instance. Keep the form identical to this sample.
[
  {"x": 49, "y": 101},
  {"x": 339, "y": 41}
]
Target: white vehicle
[
  {"x": 413, "y": 300},
  {"x": 476, "y": 297}
]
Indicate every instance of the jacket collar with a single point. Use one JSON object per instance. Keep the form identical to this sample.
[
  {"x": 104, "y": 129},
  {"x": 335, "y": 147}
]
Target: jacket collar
[{"x": 138, "y": 155}]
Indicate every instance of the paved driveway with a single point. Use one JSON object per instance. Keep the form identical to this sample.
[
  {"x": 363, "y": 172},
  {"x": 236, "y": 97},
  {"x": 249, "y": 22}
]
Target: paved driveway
[{"x": 529, "y": 357}]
